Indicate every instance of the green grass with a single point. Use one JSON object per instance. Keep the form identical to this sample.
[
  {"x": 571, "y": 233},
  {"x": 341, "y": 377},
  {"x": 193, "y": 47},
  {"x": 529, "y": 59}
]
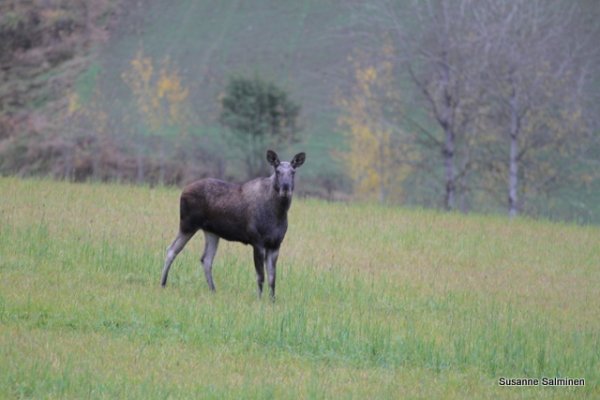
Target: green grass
[{"x": 373, "y": 302}]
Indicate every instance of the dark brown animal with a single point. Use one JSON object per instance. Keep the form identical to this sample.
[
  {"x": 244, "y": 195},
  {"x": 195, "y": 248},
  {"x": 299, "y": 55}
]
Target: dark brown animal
[{"x": 253, "y": 213}]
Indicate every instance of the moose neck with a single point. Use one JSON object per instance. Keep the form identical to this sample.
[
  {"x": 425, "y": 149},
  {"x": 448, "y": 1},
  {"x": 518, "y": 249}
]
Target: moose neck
[
  {"x": 284, "y": 204},
  {"x": 280, "y": 204}
]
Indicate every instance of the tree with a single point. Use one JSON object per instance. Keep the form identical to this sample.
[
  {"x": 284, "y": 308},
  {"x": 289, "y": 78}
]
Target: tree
[
  {"x": 437, "y": 52},
  {"x": 505, "y": 83},
  {"x": 161, "y": 100},
  {"x": 259, "y": 114},
  {"x": 537, "y": 58},
  {"x": 378, "y": 148}
]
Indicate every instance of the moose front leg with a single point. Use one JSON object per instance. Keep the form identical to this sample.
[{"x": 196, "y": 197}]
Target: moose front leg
[
  {"x": 272, "y": 255},
  {"x": 259, "y": 265}
]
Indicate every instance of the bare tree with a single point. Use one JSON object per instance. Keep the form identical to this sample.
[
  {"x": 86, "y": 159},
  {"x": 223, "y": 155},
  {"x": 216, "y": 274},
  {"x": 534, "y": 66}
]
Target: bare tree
[
  {"x": 504, "y": 82},
  {"x": 436, "y": 48},
  {"x": 536, "y": 61}
]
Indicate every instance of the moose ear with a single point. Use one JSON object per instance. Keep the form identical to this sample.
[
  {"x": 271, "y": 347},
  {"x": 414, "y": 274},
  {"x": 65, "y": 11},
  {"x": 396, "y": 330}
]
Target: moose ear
[
  {"x": 298, "y": 160},
  {"x": 272, "y": 158}
]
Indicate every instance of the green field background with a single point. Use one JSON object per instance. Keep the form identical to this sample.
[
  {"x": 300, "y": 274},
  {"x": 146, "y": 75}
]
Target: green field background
[{"x": 373, "y": 302}]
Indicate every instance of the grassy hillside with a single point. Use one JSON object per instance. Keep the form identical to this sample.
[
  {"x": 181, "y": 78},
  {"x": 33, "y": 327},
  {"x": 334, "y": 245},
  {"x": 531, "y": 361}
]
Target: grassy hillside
[
  {"x": 301, "y": 46},
  {"x": 67, "y": 112},
  {"x": 372, "y": 303}
]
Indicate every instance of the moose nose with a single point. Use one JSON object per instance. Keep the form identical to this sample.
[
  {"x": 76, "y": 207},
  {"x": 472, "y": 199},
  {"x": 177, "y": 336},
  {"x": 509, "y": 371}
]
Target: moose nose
[{"x": 285, "y": 187}]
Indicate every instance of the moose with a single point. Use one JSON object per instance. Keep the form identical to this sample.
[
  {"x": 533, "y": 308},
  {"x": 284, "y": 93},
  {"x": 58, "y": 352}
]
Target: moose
[{"x": 253, "y": 213}]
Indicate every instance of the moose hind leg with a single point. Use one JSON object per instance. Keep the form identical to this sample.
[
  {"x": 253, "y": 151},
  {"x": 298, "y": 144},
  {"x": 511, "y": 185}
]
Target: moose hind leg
[
  {"x": 172, "y": 251},
  {"x": 211, "y": 241},
  {"x": 259, "y": 265}
]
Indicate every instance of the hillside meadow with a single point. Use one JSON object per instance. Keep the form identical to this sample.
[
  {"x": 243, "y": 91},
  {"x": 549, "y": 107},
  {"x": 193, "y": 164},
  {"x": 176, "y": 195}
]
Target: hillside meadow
[{"x": 373, "y": 302}]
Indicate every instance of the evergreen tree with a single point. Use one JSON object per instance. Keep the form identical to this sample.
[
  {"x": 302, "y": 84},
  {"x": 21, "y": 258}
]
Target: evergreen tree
[{"x": 259, "y": 114}]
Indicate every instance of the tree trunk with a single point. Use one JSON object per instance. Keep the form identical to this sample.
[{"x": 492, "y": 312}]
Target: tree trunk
[
  {"x": 97, "y": 154},
  {"x": 140, "y": 165},
  {"x": 513, "y": 161},
  {"x": 69, "y": 173},
  {"x": 513, "y": 170},
  {"x": 161, "y": 163},
  {"x": 447, "y": 122},
  {"x": 382, "y": 172},
  {"x": 448, "y": 154}
]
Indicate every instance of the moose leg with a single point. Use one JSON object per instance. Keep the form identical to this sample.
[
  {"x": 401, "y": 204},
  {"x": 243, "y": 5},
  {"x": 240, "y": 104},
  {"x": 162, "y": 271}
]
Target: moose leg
[
  {"x": 271, "y": 267},
  {"x": 211, "y": 241},
  {"x": 259, "y": 265},
  {"x": 172, "y": 251}
]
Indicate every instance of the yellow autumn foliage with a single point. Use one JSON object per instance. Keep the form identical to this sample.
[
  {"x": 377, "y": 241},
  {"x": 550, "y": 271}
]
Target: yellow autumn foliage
[
  {"x": 161, "y": 98},
  {"x": 376, "y": 154},
  {"x": 92, "y": 112},
  {"x": 74, "y": 104},
  {"x": 169, "y": 88}
]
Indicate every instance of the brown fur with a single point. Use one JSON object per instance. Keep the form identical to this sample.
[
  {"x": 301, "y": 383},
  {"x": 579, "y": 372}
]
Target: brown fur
[
  {"x": 241, "y": 213},
  {"x": 253, "y": 213}
]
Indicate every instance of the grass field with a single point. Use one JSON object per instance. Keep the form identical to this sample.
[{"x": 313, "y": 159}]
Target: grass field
[{"x": 373, "y": 302}]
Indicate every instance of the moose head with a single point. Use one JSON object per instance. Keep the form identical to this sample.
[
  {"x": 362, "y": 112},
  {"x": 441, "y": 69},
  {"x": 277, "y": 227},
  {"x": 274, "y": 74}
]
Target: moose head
[{"x": 283, "y": 181}]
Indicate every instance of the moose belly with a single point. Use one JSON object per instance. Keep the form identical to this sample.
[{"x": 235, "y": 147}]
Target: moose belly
[
  {"x": 235, "y": 233},
  {"x": 229, "y": 231}
]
